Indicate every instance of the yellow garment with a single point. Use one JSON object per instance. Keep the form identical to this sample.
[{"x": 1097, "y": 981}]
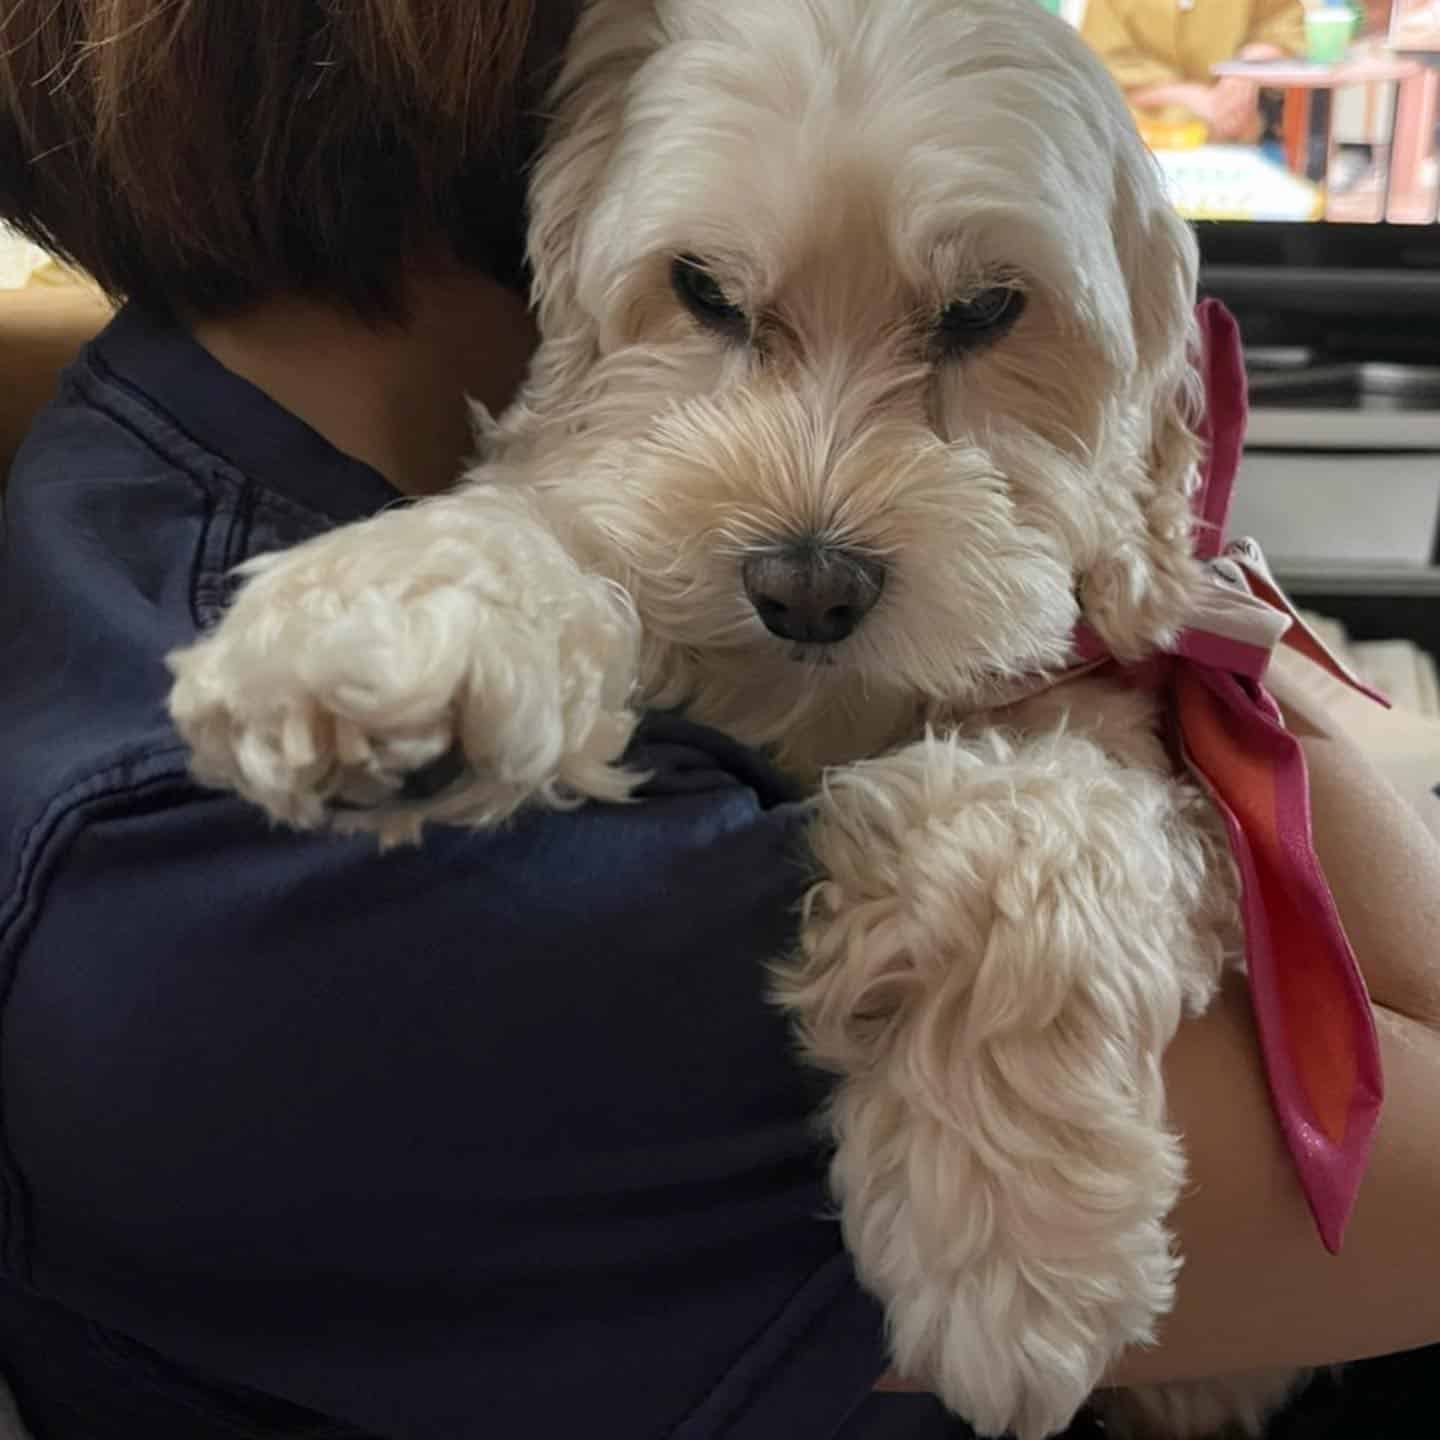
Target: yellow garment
[{"x": 1156, "y": 42}]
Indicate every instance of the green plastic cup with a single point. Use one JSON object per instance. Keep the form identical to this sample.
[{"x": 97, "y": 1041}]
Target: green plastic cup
[{"x": 1328, "y": 32}]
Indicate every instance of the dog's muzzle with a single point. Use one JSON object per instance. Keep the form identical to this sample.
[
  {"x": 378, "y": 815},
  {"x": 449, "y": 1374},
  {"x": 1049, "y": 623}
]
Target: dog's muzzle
[{"x": 812, "y": 593}]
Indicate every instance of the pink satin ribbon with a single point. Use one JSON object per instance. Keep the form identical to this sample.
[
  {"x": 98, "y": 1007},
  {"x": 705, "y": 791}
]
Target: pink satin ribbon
[{"x": 1317, "y": 1032}]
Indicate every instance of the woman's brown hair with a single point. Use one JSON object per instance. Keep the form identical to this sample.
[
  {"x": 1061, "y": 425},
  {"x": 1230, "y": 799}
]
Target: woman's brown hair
[{"x": 203, "y": 154}]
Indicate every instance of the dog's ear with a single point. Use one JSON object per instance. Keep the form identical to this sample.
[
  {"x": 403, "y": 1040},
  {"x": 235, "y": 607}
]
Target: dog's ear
[
  {"x": 1137, "y": 592},
  {"x": 611, "y": 41}
]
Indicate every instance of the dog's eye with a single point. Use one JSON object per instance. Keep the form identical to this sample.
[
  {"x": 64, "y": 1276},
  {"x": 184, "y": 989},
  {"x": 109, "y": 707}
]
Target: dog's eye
[
  {"x": 967, "y": 325},
  {"x": 704, "y": 297}
]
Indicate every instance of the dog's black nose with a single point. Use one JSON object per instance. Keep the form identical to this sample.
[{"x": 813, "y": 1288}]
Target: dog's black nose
[{"x": 813, "y": 594}]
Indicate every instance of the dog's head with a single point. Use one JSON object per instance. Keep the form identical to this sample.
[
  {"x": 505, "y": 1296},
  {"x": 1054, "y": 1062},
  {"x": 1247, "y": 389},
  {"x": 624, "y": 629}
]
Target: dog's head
[{"x": 865, "y": 351}]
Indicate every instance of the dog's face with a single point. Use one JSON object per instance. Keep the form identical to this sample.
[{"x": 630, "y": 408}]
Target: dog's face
[{"x": 864, "y": 360}]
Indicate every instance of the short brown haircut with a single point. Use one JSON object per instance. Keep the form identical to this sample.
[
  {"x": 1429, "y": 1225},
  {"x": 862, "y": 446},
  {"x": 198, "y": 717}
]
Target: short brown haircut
[{"x": 204, "y": 154}]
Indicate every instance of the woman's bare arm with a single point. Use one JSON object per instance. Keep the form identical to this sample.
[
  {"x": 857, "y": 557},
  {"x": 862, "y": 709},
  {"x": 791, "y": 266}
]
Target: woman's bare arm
[{"x": 1258, "y": 1290}]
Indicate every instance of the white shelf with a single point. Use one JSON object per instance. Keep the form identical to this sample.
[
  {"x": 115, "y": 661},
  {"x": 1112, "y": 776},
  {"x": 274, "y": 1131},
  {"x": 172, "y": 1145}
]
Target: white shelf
[
  {"x": 1353, "y": 494},
  {"x": 1353, "y": 511},
  {"x": 1281, "y": 428}
]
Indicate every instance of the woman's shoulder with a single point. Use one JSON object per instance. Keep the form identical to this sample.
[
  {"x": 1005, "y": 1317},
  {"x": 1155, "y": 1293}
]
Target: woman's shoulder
[
  {"x": 119, "y": 547},
  {"x": 114, "y": 561},
  {"x": 153, "y": 475},
  {"x": 125, "y": 515},
  {"x": 111, "y": 539}
]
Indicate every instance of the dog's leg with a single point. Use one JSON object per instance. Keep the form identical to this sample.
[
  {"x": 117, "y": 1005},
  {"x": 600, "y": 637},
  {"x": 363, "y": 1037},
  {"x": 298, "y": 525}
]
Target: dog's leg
[
  {"x": 1000, "y": 952},
  {"x": 459, "y": 631}
]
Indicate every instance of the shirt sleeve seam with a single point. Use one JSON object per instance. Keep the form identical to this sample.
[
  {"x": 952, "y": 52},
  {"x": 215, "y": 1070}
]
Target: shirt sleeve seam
[
  {"x": 225, "y": 492},
  {"x": 93, "y": 382}
]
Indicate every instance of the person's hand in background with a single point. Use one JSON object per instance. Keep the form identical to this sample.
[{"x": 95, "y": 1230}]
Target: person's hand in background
[
  {"x": 1262, "y": 52},
  {"x": 1230, "y": 108},
  {"x": 1186, "y": 95},
  {"x": 1233, "y": 110}
]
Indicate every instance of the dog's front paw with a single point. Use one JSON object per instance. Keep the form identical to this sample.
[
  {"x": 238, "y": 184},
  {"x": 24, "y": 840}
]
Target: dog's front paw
[
  {"x": 461, "y": 640},
  {"x": 992, "y": 965}
]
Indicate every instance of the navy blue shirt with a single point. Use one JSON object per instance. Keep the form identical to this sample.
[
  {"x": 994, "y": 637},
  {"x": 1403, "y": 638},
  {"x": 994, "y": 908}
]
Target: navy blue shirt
[{"x": 495, "y": 1136}]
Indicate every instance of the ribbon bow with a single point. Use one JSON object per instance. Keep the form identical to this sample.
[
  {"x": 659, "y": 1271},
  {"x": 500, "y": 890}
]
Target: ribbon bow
[{"x": 1317, "y": 1032}]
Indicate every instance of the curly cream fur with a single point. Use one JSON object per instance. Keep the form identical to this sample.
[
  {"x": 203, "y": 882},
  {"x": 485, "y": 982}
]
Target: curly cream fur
[
  {"x": 1017, "y": 905},
  {"x": 345, "y": 665},
  {"x": 1003, "y": 1160}
]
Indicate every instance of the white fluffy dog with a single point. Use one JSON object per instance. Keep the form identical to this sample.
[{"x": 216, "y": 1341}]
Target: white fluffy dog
[{"x": 865, "y": 377}]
